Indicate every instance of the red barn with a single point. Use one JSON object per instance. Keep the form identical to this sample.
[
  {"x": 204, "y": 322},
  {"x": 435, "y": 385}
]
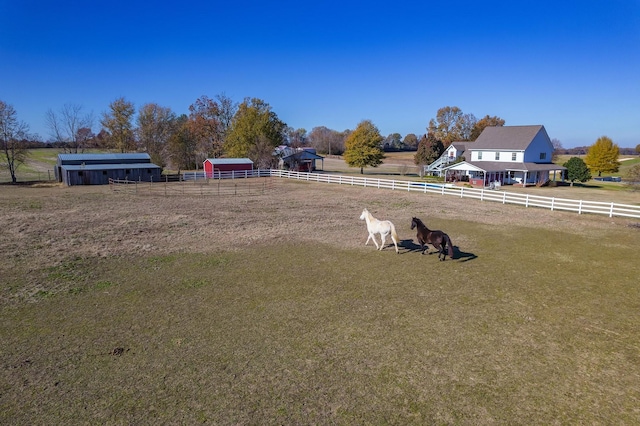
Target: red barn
[{"x": 217, "y": 165}]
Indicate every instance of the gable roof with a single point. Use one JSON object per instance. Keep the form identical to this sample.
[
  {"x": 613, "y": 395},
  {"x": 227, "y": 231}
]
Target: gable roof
[
  {"x": 459, "y": 145},
  {"x": 215, "y": 161},
  {"x": 113, "y": 157},
  {"x": 303, "y": 155},
  {"x": 506, "y": 137}
]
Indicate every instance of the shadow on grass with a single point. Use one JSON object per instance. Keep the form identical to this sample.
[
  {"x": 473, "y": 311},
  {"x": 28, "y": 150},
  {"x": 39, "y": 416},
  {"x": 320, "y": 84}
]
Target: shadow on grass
[{"x": 458, "y": 254}]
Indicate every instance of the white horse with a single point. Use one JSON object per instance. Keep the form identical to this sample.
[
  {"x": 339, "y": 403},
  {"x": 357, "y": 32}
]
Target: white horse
[{"x": 382, "y": 227}]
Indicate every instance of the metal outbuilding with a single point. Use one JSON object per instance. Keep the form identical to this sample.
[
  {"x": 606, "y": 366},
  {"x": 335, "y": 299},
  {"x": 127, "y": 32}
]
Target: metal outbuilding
[{"x": 97, "y": 169}]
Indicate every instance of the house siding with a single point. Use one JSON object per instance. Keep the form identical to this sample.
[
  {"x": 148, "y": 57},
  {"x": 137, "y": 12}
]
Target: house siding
[{"x": 541, "y": 144}]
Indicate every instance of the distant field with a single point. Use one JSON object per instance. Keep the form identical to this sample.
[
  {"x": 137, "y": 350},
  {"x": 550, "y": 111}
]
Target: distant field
[{"x": 269, "y": 309}]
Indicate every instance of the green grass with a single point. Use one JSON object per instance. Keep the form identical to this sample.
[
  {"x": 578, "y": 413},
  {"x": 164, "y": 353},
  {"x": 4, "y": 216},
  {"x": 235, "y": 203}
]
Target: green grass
[{"x": 526, "y": 327}]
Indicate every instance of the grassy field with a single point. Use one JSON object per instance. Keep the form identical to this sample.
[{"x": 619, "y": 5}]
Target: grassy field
[{"x": 269, "y": 309}]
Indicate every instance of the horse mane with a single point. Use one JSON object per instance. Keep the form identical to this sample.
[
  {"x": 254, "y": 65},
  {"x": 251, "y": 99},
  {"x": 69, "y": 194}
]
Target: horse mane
[{"x": 419, "y": 222}]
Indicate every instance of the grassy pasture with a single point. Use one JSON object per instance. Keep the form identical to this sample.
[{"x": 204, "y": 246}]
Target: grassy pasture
[{"x": 268, "y": 309}]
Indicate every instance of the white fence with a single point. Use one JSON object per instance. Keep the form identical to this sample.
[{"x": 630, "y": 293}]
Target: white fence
[{"x": 504, "y": 197}]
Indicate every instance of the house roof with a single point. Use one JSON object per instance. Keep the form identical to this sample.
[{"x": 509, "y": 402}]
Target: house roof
[
  {"x": 460, "y": 146},
  {"x": 229, "y": 160},
  {"x": 506, "y": 137},
  {"x": 502, "y": 166}
]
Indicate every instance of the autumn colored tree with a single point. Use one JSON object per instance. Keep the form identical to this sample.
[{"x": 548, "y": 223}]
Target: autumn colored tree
[
  {"x": 118, "y": 123},
  {"x": 451, "y": 124},
  {"x": 577, "y": 170},
  {"x": 638, "y": 149},
  {"x": 70, "y": 127},
  {"x": 485, "y": 121},
  {"x": 429, "y": 150},
  {"x": 602, "y": 156},
  {"x": 209, "y": 121},
  {"x": 362, "y": 147},
  {"x": 13, "y": 137},
  {"x": 253, "y": 119},
  {"x": 155, "y": 127},
  {"x": 182, "y": 146}
]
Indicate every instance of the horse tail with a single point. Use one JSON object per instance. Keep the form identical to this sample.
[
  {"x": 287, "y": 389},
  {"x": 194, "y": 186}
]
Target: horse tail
[
  {"x": 449, "y": 245},
  {"x": 394, "y": 235}
]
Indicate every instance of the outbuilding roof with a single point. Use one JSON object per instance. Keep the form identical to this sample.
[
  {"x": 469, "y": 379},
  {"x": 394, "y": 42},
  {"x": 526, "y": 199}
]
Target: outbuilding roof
[
  {"x": 102, "y": 157},
  {"x": 229, "y": 160},
  {"x": 78, "y": 167}
]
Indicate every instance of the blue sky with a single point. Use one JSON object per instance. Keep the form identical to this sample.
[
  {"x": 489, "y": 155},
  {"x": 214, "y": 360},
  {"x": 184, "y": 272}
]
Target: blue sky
[{"x": 573, "y": 66}]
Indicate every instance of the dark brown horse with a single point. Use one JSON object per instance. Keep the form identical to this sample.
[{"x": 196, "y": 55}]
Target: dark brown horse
[{"x": 438, "y": 239}]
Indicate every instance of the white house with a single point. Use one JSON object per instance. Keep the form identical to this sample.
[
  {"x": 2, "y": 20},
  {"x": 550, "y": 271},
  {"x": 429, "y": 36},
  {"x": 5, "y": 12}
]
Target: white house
[
  {"x": 507, "y": 154},
  {"x": 450, "y": 155}
]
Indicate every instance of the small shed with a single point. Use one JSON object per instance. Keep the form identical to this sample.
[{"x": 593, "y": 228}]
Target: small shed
[
  {"x": 217, "y": 165},
  {"x": 301, "y": 161},
  {"x": 97, "y": 169}
]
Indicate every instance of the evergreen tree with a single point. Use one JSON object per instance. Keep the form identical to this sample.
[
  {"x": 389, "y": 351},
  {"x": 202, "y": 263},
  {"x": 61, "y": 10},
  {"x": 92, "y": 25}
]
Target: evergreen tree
[
  {"x": 362, "y": 147},
  {"x": 577, "y": 170},
  {"x": 429, "y": 150}
]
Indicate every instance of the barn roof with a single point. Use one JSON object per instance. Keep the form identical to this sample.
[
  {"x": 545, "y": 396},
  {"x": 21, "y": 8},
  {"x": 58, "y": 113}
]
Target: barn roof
[
  {"x": 110, "y": 156},
  {"x": 229, "y": 160},
  {"x": 78, "y": 167}
]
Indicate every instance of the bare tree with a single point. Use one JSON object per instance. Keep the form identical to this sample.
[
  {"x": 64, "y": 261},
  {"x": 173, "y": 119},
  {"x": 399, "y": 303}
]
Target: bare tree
[
  {"x": 557, "y": 147},
  {"x": 13, "y": 135},
  {"x": 69, "y": 127}
]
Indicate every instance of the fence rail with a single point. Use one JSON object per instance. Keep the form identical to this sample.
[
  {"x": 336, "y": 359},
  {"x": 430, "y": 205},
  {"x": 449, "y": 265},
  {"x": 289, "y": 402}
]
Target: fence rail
[
  {"x": 207, "y": 187},
  {"x": 483, "y": 194},
  {"x": 199, "y": 184}
]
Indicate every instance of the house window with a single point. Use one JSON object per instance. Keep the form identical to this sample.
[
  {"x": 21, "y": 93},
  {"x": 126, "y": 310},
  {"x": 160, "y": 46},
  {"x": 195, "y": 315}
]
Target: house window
[
  {"x": 513, "y": 156},
  {"x": 543, "y": 155},
  {"x": 480, "y": 155},
  {"x": 104, "y": 173},
  {"x": 79, "y": 173},
  {"x": 497, "y": 156}
]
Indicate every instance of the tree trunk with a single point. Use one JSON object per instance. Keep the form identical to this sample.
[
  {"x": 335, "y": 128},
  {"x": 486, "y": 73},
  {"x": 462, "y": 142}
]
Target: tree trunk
[{"x": 361, "y": 170}]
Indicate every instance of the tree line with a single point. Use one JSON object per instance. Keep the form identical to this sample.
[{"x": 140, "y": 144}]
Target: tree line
[{"x": 218, "y": 126}]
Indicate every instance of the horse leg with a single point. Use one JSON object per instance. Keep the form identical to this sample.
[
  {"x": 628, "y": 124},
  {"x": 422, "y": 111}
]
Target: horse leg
[
  {"x": 372, "y": 237},
  {"x": 383, "y": 237},
  {"x": 439, "y": 248},
  {"x": 395, "y": 243}
]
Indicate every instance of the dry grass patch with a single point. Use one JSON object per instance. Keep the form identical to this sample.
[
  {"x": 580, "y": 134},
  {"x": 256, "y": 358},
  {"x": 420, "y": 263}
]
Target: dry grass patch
[{"x": 268, "y": 309}]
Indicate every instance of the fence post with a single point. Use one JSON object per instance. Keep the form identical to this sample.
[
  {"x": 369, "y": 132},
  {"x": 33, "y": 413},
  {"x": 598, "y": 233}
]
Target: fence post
[
  {"x": 611, "y": 211},
  {"x": 580, "y": 207}
]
